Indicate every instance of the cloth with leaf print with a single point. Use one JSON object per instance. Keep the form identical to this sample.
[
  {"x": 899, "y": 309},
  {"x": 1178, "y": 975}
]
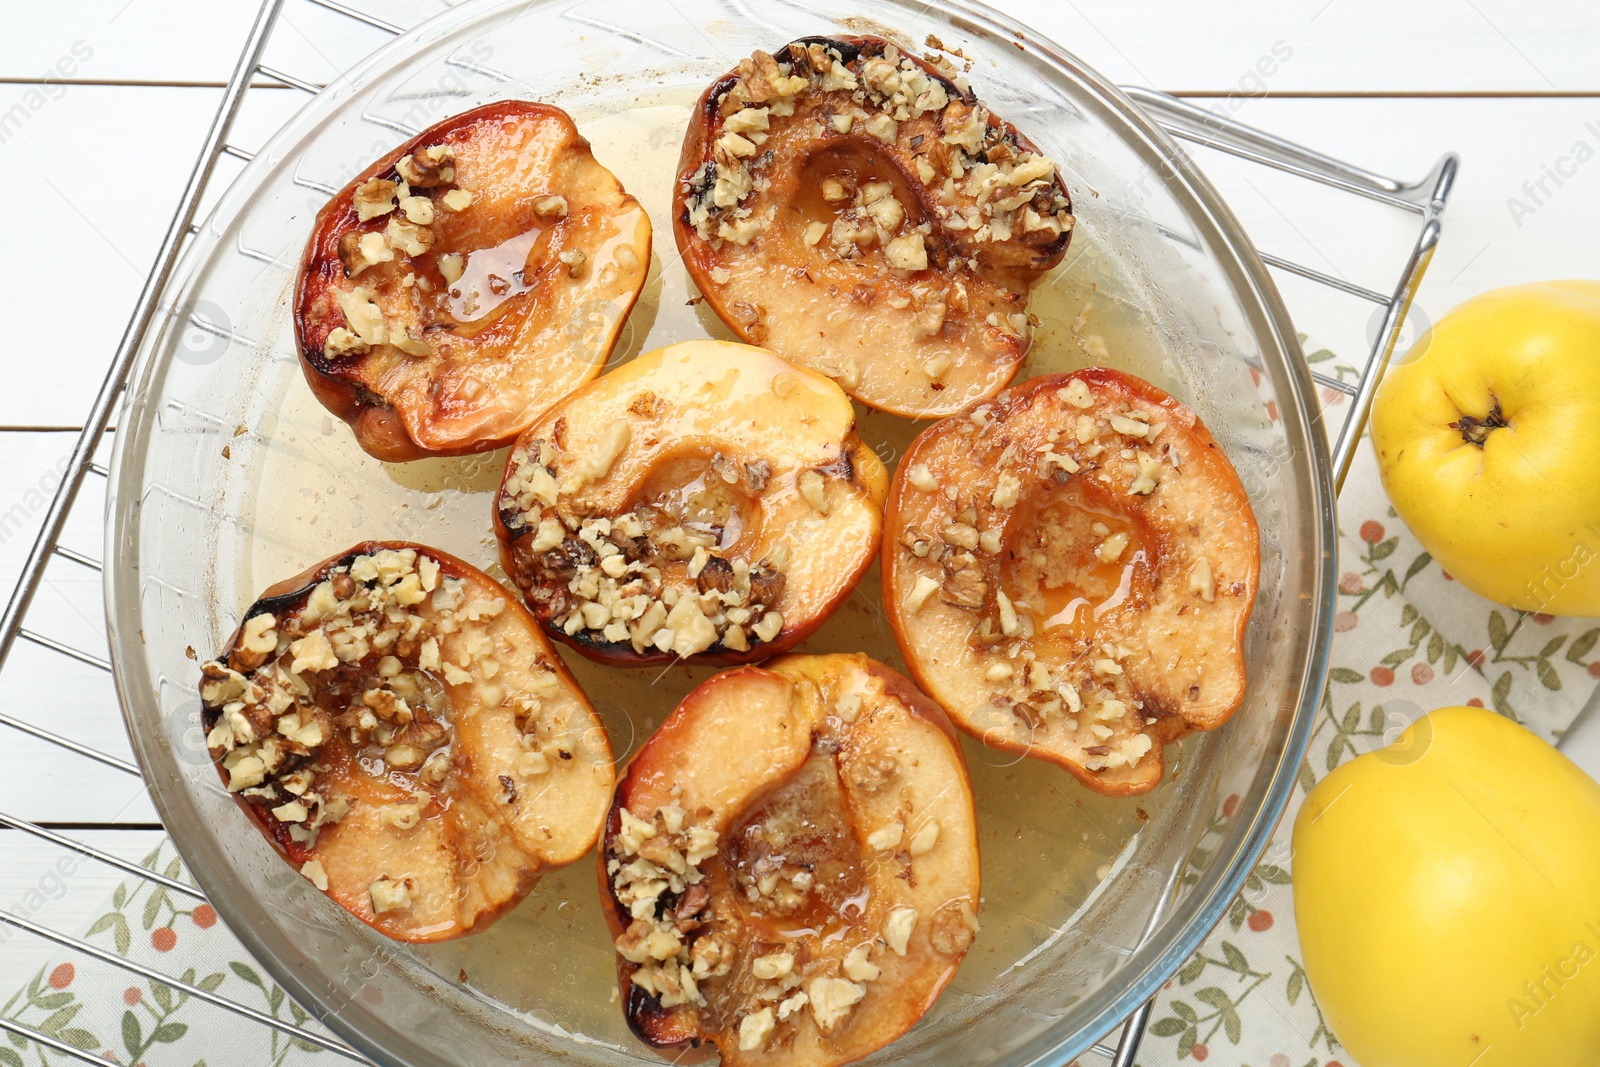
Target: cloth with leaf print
[
  {"x": 120, "y": 1016},
  {"x": 1407, "y": 639}
]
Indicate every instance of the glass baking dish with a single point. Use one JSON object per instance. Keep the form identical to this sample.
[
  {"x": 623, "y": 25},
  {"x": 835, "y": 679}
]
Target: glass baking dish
[{"x": 228, "y": 476}]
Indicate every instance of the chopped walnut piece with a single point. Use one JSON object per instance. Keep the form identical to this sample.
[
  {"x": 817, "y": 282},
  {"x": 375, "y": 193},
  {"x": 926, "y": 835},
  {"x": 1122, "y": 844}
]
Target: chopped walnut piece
[
  {"x": 964, "y": 585},
  {"x": 886, "y": 838},
  {"x": 897, "y": 929},
  {"x": 768, "y": 626},
  {"x": 1149, "y": 474},
  {"x": 773, "y": 966},
  {"x": 920, "y": 592},
  {"x": 755, "y": 1029},
  {"x": 907, "y": 253},
  {"x": 341, "y": 343},
  {"x": 259, "y": 636},
  {"x": 1201, "y": 583},
  {"x": 961, "y": 534},
  {"x": 1112, "y": 547},
  {"x": 358, "y": 251},
  {"x": 389, "y": 894},
  {"x": 811, "y": 488},
  {"x": 1130, "y": 425},
  {"x": 832, "y": 1000},
  {"x": 692, "y": 631},
  {"x": 1077, "y": 394},
  {"x": 928, "y": 322},
  {"x": 757, "y": 474},
  {"x": 373, "y": 198},
  {"x": 428, "y": 167},
  {"x": 882, "y": 127},
  {"x": 313, "y": 872},
  {"x": 550, "y": 207},
  {"x": 418, "y": 209},
  {"x": 362, "y": 313},
  {"x": 1007, "y": 491},
  {"x": 858, "y": 966},
  {"x": 406, "y": 236},
  {"x": 953, "y": 927}
]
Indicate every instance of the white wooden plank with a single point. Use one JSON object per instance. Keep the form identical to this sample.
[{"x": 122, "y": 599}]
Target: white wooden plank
[
  {"x": 39, "y": 686},
  {"x": 1369, "y": 46},
  {"x": 167, "y": 41},
  {"x": 1247, "y": 46},
  {"x": 1497, "y": 232},
  {"x": 68, "y": 605},
  {"x": 54, "y": 887},
  {"x": 45, "y": 784},
  {"x": 95, "y": 230}
]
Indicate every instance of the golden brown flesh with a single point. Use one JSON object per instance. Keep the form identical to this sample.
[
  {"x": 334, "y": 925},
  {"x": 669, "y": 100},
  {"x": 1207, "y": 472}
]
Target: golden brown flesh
[
  {"x": 707, "y": 501},
  {"x": 1069, "y": 570},
  {"x": 887, "y": 241},
  {"x": 399, "y": 728},
  {"x": 466, "y": 281},
  {"x": 791, "y": 865}
]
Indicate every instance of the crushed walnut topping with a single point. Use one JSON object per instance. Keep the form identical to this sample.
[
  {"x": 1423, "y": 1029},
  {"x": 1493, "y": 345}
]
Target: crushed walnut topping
[
  {"x": 408, "y": 205},
  {"x": 360, "y": 661},
  {"x": 653, "y": 867},
  {"x": 981, "y": 184},
  {"x": 797, "y": 856},
  {"x": 780, "y": 922},
  {"x": 649, "y": 579},
  {"x": 428, "y": 168},
  {"x": 391, "y": 894},
  {"x": 1119, "y": 449}
]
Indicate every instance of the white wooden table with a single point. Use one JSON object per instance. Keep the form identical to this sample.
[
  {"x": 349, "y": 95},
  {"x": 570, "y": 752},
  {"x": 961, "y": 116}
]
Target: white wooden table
[{"x": 103, "y": 105}]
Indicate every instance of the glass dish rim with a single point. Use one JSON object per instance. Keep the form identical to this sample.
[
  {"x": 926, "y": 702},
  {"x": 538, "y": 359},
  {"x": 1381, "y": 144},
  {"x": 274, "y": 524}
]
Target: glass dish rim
[{"x": 1149, "y": 964}]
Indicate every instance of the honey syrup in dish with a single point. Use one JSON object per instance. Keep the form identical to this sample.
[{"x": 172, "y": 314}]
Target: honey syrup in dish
[{"x": 1047, "y": 843}]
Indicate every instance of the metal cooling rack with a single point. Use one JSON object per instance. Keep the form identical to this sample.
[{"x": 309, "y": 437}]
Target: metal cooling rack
[{"x": 1424, "y": 199}]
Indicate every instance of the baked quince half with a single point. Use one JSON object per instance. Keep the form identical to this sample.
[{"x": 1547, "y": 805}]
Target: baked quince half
[
  {"x": 790, "y": 868},
  {"x": 398, "y": 727},
  {"x": 707, "y": 501},
  {"x": 466, "y": 280},
  {"x": 857, "y": 210},
  {"x": 1070, "y": 569}
]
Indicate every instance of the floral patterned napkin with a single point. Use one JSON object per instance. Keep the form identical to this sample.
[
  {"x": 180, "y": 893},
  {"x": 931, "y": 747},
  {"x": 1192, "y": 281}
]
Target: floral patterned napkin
[
  {"x": 124, "y": 1019},
  {"x": 1408, "y": 639}
]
